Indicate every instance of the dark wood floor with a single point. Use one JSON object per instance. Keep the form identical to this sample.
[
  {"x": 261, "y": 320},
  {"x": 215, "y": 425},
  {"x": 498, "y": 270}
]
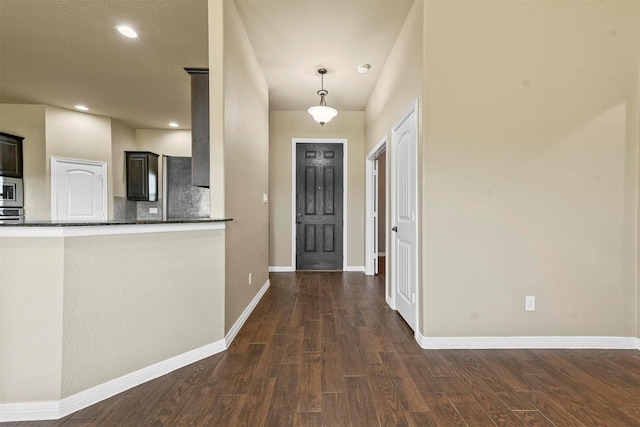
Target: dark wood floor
[{"x": 322, "y": 349}]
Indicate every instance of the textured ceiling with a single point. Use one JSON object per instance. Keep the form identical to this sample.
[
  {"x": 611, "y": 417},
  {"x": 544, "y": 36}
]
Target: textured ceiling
[{"x": 67, "y": 52}]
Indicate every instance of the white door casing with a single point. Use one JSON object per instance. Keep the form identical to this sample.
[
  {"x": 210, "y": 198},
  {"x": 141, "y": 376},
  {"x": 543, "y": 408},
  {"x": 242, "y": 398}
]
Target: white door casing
[
  {"x": 372, "y": 209},
  {"x": 376, "y": 215},
  {"x": 404, "y": 139},
  {"x": 78, "y": 190}
]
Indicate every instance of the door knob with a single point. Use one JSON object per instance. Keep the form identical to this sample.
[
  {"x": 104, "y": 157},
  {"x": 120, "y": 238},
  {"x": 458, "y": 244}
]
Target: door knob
[{"x": 394, "y": 229}]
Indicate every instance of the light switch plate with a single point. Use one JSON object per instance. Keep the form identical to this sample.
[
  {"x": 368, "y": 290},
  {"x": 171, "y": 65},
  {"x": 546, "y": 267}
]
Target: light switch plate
[
  {"x": 153, "y": 210},
  {"x": 265, "y": 198}
]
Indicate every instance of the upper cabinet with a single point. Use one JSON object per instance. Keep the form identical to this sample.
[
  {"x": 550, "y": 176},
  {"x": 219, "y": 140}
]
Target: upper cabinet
[
  {"x": 142, "y": 176},
  {"x": 199, "y": 126},
  {"x": 10, "y": 155}
]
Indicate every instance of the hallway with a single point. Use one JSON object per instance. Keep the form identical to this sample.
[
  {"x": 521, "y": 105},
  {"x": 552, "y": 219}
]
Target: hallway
[{"x": 323, "y": 349}]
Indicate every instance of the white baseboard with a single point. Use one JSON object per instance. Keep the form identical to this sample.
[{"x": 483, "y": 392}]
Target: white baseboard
[
  {"x": 288, "y": 269},
  {"x": 246, "y": 313},
  {"x": 281, "y": 269},
  {"x": 552, "y": 342},
  {"x": 56, "y": 409},
  {"x": 392, "y": 305}
]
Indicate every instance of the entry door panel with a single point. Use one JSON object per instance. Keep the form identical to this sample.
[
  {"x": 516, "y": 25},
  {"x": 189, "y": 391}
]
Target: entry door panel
[
  {"x": 319, "y": 206},
  {"x": 404, "y": 139}
]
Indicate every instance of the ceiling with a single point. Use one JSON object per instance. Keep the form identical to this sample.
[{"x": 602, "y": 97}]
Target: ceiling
[{"x": 67, "y": 52}]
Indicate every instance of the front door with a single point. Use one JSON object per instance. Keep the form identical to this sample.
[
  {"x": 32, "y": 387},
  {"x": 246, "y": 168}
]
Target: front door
[
  {"x": 319, "y": 210},
  {"x": 405, "y": 254}
]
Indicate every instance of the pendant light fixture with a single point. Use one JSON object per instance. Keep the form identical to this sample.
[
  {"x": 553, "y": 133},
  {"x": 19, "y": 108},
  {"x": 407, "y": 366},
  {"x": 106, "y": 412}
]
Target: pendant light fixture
[{"x": 321, "y": 113}]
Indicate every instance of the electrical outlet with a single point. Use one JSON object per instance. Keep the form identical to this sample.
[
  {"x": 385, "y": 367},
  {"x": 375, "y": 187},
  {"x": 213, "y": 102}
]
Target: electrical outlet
[
  {"x": 250, "y": 278},
  {"x": 153, "y": 210},
  {"x": 529, "y": 303},
  {"x": 265, "y": 198}
]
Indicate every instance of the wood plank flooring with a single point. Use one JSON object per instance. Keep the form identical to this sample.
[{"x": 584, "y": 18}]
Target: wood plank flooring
[{"x": 323, "y": 349}]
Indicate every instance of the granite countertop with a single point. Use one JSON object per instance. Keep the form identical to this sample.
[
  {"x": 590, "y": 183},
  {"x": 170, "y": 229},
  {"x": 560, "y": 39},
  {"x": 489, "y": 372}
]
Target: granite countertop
[{"x": 48, "y": 223}]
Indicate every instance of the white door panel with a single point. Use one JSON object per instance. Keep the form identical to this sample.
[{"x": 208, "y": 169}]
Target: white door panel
[
  {"x": 405, "y": 239},
  {"x": 78, "y": 190}
]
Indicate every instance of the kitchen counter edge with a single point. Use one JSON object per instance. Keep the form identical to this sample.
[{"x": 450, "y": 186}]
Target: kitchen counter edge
[{"x": 75, "y": 229}]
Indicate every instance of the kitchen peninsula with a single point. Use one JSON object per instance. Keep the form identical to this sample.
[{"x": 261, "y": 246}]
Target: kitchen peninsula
[{"x": 88, "y": 310}]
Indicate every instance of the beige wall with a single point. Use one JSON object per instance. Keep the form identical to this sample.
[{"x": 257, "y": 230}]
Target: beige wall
[
  {"x": 399, "y": 85},
  {"x": 28, "y": 121},
  {"x": 123, "y": 138},
  {"x": 73, "y": 135},
  {"x": 100, "y": 307},
  {"x": 31, "y": 333},
  {"x": 400, "y": 81},
  {"x": 246, "y": 168},
  {"x": 286, "y": 125},
  {"x": 530, "y": 168},
  {"x": 127, "y": 304},
  {"x": 215, "y": 9}
]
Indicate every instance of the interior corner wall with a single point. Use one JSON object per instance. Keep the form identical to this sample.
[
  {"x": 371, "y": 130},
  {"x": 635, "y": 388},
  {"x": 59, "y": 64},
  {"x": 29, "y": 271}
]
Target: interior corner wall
[
  {"x": 216, "y": 28},
  {"x": 399, "y": 85},
  {"x": 286, "y": 125},
  {"x": 28, "y": 121},
  {"x": 400, "y": 81},
  {"x": 531, "y": 168},
  {"x": 246, "y": 169}
]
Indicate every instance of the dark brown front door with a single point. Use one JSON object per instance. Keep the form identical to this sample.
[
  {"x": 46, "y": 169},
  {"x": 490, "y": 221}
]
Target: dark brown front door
[{"x": 319, "y": 206}]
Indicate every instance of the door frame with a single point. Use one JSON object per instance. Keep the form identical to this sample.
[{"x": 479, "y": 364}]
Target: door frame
[
  {"x": 370, "y": 200},
  {"x": 393, "y": 261},
  {"x": 55, "y": 161},
  {"x": 294, "y": 142}
]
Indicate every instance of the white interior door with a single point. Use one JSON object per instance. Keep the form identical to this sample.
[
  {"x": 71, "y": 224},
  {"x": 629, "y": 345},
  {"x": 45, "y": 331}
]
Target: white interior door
[
  {"x": 405, "y": 240},
  {"x": 78, "y": 190}
]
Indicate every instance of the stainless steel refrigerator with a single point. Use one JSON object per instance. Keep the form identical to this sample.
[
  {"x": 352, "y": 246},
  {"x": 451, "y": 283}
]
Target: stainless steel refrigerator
[{"x": 181, "y": 199}]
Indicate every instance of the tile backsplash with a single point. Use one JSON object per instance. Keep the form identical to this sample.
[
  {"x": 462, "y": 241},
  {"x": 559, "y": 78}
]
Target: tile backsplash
[{"x": 129, "y": 209}]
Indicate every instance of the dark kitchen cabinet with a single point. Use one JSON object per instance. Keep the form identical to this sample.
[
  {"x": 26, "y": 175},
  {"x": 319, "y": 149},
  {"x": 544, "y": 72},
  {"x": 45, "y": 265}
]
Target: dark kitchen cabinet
[
  {"x": 10, "y": 155},
  {"x": 142, "y": 176},
  {"x": 199, "y": 126}
]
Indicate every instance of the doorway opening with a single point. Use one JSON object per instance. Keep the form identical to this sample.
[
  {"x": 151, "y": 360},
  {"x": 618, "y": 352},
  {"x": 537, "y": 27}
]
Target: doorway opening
[
  {"x": 376, "y": 195},
  {"x": 319, "y": 197}
]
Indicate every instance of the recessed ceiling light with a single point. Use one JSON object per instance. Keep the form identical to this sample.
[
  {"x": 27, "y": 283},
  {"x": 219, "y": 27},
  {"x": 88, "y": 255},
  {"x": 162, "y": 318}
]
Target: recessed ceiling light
[
  {"x": 363, "y": 68},
  {"x": 127, "y": 31},
  {"x": 174, "y": 125},
  {"x": 82, "y": 108}
]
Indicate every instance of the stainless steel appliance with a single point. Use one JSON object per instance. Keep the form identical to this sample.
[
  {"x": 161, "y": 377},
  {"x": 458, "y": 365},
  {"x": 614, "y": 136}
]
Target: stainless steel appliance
[
  {"x": 180, "y": 198},
  {"x": 8, "y": 215},
  {"x": 11, "y": 192}
]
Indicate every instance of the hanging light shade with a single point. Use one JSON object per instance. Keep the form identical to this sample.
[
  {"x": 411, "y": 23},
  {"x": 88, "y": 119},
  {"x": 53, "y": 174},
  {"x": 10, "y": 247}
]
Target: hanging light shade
[{"x": 321, "y": 113}]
